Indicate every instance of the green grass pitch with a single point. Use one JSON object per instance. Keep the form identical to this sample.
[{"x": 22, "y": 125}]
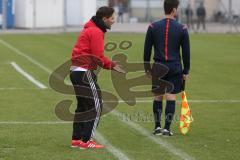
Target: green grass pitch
[{"x": 214, "y": 134}]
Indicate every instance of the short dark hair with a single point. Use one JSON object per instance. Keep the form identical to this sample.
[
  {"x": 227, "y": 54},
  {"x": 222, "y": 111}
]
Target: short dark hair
[
  {"x": 104, "y": 12},
  {"x": 169, "y": 5}
]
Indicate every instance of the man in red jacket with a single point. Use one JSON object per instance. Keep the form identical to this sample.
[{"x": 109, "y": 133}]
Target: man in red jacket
[{"x": 88, "y": 53}]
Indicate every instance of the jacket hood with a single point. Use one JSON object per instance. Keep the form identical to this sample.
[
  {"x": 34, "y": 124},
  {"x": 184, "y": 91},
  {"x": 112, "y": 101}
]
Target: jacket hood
[
  {"x": 96, "y": 22},
  {"x": 89, "y": 24}
]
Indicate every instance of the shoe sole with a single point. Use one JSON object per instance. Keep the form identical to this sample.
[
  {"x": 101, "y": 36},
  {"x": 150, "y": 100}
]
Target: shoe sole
[
  {"x": 166, "y": 135},
  {"x": 158, "y": 134},
  {"x": 89, "y": 148}
]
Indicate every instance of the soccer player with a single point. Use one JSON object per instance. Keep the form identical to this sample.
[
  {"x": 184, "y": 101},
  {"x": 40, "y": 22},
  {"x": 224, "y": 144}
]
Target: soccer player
[
  {"x": 201, "y": 16},
  {"x": 167, "y": 36},
  {"x": 87, "y": 54}
]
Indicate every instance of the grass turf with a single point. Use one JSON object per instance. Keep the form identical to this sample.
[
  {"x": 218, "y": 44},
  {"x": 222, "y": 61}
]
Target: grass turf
[{"x": 214, "y": 74}]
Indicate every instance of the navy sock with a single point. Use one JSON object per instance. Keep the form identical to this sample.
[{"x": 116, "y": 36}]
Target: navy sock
[
  {"x": 157, "y": 111},
  {"x": 169, "y": 113}
]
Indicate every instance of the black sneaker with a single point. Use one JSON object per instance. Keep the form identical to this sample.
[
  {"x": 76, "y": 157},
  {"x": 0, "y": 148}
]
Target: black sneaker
[
  {"x": 166, "y": 132},
  {"x": 158, "y": 131}
]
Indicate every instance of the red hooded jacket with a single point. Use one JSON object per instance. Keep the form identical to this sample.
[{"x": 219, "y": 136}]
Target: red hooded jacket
[{"x": 88, "y": 52}]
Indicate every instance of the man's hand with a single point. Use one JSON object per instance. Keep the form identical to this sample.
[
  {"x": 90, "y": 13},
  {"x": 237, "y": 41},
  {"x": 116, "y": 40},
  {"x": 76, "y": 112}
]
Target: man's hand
[
  {"x": 185, "y": 77},
  {"x": 118, "y": 68}
]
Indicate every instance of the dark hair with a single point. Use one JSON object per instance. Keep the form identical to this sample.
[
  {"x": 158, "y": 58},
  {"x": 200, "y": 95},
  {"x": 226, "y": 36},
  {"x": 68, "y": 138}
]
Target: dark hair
[
  {"x": 169, "y": 5},
  {"x": 104, "y": 12}
]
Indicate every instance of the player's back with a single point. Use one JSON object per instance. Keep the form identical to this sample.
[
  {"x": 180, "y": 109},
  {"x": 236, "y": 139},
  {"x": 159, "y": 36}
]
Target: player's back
[{"x": 167, "y": 35}]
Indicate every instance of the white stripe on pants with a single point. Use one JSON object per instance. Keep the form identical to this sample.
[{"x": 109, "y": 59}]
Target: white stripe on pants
[{"x": 96, "y": 101}]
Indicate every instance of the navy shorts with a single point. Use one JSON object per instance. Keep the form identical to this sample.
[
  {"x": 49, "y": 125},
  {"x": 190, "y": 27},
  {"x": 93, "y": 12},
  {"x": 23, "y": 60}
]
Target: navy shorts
[{"x": 167, "y": 78}]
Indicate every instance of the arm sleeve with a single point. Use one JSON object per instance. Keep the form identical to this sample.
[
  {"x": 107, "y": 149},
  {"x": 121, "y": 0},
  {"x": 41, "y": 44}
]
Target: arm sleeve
[
  {"x": 148, "y": 49},
  {"x": 186, "y": 51},
  {"x": 97, "y": 48}
]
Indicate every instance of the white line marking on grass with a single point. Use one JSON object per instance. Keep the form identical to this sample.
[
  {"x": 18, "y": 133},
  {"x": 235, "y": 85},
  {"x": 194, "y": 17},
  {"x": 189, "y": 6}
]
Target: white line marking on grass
[
  {"x": 36, "y": 123},
  {"x": 214, "y": 101},
  {"x": 137, "y": 127},
  {"x": 190, "y": 101},
  {"x": 164, "y": 144},
  {"x": 116, "y": 152},
  {"x": 11, "y": 88},
  {"x": 139, "y": 101},
  {"x": 27, "y": 76},
  {"x": 48, "y": 71},
  {"x": 170, "y": 148},
  {"x": 9, "y": 46}
]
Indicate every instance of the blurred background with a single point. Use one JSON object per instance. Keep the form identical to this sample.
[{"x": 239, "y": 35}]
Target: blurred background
[{"x": 199, "y": 15}]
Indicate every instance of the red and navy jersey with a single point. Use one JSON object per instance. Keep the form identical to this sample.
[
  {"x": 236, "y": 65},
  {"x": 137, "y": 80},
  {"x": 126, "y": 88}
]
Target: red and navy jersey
[{"x": 168, "y": 37}]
